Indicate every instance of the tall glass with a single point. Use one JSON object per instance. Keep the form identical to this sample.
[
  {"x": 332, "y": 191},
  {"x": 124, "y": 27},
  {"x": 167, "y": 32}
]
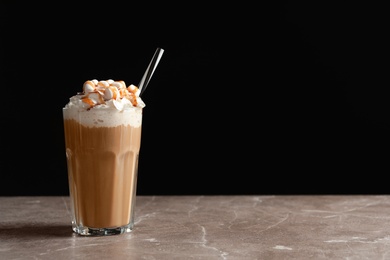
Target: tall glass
[{"x": 102, "y": 148}]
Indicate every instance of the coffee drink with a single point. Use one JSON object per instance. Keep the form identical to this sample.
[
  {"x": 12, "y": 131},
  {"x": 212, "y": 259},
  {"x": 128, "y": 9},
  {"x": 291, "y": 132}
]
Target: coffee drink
[{"x": 102, "y": 128}]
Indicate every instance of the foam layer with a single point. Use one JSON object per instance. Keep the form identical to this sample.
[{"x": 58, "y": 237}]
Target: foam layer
[{"x": 105, "y": 117}]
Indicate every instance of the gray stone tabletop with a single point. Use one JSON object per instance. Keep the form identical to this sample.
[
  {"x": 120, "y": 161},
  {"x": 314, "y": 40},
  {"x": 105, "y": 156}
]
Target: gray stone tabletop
[{"x": 206, "y": 227}]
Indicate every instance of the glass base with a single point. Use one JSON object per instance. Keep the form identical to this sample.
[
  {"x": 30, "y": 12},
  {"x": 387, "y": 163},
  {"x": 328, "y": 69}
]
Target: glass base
[{"x": 87, "y": 231}]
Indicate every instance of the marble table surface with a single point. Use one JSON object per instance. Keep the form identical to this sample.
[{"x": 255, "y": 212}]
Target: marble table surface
[{"x": 206, "y": 227}]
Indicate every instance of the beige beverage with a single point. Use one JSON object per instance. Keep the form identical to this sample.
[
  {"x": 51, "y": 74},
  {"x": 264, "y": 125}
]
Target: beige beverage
[{"x": 102, "y": 128}]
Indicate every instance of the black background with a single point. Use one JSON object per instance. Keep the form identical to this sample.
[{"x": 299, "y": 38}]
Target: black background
[{"x": 277, "y": 99}]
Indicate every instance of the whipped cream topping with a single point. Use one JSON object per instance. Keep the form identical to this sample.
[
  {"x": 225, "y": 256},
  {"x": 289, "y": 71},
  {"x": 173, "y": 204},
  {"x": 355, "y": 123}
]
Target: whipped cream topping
[
  {"x": 106, "y": 103},
  {"x": 107, "y": 94}
]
